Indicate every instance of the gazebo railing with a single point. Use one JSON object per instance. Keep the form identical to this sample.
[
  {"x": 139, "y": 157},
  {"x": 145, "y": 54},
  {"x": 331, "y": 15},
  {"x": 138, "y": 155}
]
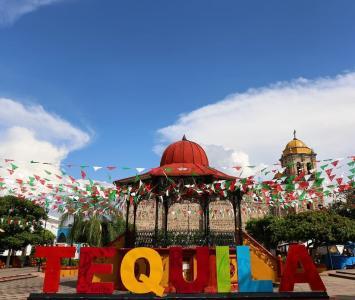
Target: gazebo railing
[{"x": 184, "y": 238}]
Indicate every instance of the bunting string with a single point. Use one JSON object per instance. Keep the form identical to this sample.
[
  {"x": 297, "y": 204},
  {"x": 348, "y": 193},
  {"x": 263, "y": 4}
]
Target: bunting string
[{"x": 268, "y": 186}]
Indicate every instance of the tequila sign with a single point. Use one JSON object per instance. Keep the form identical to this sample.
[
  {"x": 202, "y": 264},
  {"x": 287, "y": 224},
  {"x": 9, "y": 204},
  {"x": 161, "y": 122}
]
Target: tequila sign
[{"x": 151, "y": 283}]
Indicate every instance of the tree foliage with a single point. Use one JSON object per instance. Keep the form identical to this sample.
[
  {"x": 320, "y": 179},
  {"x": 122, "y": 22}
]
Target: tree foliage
[
  {"x": 21, "y": 223},
  {"x": 319, "y": 227},
  {"x": 261, "y": 231},
  {"x": 345, "y": 209}
]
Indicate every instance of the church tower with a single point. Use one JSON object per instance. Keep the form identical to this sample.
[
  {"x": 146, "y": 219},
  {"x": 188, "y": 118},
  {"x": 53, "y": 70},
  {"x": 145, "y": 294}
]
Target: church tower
[{"x": 297, "y": 157}]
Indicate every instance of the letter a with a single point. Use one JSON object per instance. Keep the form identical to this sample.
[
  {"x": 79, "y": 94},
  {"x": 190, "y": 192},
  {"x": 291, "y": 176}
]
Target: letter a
[{"x": 298, "y": 254}]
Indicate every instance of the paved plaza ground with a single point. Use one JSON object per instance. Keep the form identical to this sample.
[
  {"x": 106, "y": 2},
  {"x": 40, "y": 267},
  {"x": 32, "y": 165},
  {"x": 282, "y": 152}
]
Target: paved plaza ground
[{"x": 338, "y": 288}]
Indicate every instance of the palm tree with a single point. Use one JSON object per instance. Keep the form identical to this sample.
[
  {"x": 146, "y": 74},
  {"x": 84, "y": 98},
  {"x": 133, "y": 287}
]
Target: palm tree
[{"x": 95, "y": 230}]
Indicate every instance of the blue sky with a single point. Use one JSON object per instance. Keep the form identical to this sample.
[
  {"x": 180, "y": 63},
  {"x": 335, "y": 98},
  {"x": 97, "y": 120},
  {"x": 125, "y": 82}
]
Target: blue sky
[{"x": 123, "y": 72}]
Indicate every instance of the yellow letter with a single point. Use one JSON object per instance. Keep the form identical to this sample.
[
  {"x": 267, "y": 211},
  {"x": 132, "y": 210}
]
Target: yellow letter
[{"x": 146, "y": 284}]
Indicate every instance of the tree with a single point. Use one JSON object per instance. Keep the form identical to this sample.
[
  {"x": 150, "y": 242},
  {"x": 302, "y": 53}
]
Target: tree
[
  {"x": 21, "y": 222},
  {"x": 94, "y": 230},
  {"x": 43, "y": 237},
  {"x": 319, "y": 227},
  {"x": 344, "y": 209},
  {"x": 260, "y": 230}
]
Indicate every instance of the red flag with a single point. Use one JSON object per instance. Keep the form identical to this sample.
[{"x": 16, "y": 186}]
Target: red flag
[
  {"x": 303, "y": 184},
  {"x": 334, "y": 163},
  {"x": 329, "y": 172},
  {"x": 111, "y": 168},
  {"x": 232, "y": 186},
  {"x": 299, "y": 177},
  {"x": 339, "y": 180},
  {"x": 83, "y": 174}
]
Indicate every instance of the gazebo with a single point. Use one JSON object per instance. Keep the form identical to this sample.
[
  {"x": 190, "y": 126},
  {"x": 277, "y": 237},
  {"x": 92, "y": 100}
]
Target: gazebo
[{"x": 183, "y": 163}]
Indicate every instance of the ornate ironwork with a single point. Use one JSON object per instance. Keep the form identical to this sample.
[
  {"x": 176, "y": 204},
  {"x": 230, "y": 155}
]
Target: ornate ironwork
[{"x": 184, "y": 238}]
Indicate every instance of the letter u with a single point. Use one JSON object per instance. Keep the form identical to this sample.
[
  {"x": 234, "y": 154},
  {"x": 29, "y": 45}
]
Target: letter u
[{"x": 175, "y": 271}]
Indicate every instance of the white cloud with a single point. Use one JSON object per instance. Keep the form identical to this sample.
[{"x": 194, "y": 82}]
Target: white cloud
[
  {"x": 11, "y": 10},
  {"x": 31, "y": 133},
  {"x": 253, "y": 127},
  {"x": 47, "y": 126}
]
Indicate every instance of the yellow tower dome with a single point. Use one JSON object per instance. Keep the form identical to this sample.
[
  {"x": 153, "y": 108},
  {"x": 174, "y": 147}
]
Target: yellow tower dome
[{"x": 296, "y": 146}]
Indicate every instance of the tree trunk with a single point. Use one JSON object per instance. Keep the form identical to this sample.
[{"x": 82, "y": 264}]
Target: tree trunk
[
  {"x": 23, "y": 257},
  {"x": 9, "y": 253}
]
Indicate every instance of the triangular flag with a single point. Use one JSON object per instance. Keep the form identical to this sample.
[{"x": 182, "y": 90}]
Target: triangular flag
[
  {"x": 139, "y": 170},
  {"x": 334, "y": 163},
  {"x": 307, "y": 177},
  {"x": 96, "y": 168},
  {"x": 329, "y": 172},
  {"x": 324, "y": 166},
  {"x": 331, "y": 177}
]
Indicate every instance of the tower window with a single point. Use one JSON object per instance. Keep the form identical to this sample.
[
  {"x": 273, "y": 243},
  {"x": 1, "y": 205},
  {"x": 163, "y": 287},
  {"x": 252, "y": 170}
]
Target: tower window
[
  {"x": 299, "y": 168},
  {"x": 309, "y": 167}
]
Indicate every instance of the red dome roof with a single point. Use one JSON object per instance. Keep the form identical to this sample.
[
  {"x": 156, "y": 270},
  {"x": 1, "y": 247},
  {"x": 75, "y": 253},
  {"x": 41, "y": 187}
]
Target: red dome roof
[
  {"x": 181, "y": 159},
  {"x": 184, "y": 151}
]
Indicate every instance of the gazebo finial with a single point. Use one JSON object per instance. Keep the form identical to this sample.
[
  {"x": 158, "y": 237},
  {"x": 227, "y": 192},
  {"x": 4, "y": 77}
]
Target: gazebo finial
[
  {"x": 184, "y": 138},
  {"x": 294, "y": 134}
]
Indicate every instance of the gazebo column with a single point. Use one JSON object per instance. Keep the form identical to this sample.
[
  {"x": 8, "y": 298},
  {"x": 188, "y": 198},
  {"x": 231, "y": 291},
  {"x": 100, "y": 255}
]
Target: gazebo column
[
  {"x": 156, "y": 228},
  {"x": 127, "y": 231},
  {"x": 166, "y": 212},
  {"x": 206, "y": 213},
  {"x": 236, "y": 203},
  {"x": 135, "y": 206}
]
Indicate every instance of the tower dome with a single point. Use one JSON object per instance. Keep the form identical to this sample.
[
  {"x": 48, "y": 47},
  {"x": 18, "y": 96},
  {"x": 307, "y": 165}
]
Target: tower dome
[
  {"x": 296, "y": 146},
  {"x": 184, "y": 151}
]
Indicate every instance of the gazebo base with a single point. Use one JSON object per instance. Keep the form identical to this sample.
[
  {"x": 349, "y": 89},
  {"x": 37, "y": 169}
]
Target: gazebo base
[{"x": 127, "y": 296}]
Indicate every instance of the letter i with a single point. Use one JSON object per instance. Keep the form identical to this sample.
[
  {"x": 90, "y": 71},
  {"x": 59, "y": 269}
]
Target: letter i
[{"x": 223, "y": 269}]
